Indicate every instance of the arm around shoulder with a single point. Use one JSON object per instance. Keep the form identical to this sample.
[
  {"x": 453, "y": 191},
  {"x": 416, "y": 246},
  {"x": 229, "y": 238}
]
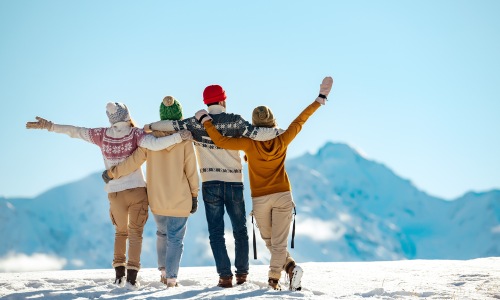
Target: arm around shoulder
[
  {"x": 151, "y": 142},
  {"x": 224, "y": 141},
  {"x": 167, "y": 125},
  {"x": 130, "y": 164}
]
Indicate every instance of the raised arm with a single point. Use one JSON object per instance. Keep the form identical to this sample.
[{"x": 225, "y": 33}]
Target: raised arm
[{"x": 296, "y": 126}]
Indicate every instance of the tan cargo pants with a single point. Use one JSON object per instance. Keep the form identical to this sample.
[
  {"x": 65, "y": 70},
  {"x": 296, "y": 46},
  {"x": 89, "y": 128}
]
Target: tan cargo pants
[
  {"x": 273, "y": 214},
  {"x": 129, "y": 213}
]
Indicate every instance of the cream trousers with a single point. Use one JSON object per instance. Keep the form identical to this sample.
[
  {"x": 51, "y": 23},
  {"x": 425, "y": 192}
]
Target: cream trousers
[
  {"x": 273, "y": 214},
  {"x": 129, "y": 212}
]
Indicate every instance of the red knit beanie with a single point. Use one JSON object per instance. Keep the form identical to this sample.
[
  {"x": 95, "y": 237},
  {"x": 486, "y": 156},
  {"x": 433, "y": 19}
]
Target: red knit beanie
[{"x": 213, "y": 94}]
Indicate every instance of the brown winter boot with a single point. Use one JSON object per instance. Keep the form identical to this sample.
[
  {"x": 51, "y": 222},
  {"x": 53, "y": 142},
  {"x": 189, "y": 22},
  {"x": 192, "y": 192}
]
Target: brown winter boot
[
  {"x": 274, "y": 284},
  {"x": 241, "y": 278},
  {"x": 225, "y": 281},
  {"x": 120, "y": 276}
]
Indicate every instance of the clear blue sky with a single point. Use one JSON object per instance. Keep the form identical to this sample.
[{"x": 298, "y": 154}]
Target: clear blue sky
[{"x": 417, "y": 83}]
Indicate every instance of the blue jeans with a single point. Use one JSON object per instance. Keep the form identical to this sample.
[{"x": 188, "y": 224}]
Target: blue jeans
[
  {"x": 216, "y": 196},
  {"x": 169, "y": 243}
]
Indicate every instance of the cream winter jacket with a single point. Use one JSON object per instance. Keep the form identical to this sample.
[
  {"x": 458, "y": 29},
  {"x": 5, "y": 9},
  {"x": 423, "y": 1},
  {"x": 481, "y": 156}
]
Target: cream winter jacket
[{"x": 171, "y": 175}]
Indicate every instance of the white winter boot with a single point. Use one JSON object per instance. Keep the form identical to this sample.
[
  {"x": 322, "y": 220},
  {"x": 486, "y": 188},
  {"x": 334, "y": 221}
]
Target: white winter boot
[{"x": 295, "y": 273}]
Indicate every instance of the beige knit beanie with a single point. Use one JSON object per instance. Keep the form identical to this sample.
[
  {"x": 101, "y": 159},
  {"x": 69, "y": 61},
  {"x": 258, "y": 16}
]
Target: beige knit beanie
[{"x": 262, "y": 116}]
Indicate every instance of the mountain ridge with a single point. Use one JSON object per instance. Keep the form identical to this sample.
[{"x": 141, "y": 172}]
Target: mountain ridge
[{"x": 349, "y": 208}]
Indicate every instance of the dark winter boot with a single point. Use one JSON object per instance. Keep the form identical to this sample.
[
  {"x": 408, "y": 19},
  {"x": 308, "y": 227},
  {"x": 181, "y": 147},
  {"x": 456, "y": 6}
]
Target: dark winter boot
[
  {"x": 132, "y": 279},
  {"x": 225, "y": 281},
  {"x": 120, "y": 276},
  {"x": 241, "y": 278}
]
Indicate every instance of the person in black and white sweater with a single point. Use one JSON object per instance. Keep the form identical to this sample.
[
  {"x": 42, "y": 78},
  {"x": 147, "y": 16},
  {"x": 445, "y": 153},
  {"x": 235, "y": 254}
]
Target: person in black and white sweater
[{"x": 222, "y": 179}]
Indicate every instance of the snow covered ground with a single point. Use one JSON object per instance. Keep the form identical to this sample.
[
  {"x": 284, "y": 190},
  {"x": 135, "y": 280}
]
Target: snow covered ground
[{"x": 410, "y": 279}]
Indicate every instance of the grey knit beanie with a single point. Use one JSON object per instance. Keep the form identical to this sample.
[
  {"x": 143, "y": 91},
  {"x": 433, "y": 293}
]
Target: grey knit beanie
[{"x": 117, "y": 112}]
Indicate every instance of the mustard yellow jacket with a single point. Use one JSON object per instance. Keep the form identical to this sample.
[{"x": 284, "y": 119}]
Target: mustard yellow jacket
[{"x": 266, "y": 159}]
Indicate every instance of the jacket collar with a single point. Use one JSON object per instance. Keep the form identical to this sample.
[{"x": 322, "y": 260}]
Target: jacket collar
[{"x": 216, "y": 109}]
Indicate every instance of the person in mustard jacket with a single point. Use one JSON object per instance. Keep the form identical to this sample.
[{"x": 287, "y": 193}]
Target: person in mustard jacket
[{"x": 269, "y": 184}]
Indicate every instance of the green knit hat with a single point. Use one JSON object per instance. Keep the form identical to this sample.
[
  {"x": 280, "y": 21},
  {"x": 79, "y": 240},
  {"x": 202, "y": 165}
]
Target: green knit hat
[{"x": 170, "y": 109}]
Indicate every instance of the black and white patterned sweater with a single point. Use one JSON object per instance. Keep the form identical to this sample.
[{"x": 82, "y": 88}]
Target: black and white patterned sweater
[{"x": 216, "y": 163}]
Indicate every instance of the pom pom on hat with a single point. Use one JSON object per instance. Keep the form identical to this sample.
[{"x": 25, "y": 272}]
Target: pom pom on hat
[
  {"x": 213, "y": 94},
  {"x": 262, "y": 116},
  {"x": 117, "y": 112},
  {"x": 170, "y": 109}
]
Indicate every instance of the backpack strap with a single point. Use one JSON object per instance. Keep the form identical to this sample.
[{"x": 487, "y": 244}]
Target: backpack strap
[
  {"x": 293, "y": 227},
  {"x": 254, "y": 243}
]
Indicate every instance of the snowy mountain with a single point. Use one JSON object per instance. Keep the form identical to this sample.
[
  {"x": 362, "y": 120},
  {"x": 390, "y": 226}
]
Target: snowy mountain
[
  {"x": 349, "y": 208},
  {"x": 377, "y": 215}
]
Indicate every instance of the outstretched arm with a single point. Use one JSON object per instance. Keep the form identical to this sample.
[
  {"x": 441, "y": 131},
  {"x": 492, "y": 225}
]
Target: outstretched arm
[
  {"x": 83, "y": 133},
  {"x": 296, "y": 126}
]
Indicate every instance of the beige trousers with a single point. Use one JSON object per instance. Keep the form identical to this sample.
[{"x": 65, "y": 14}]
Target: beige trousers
[
  {"x": 129, "y": 213},
  {"x": 273, "y": 214}
]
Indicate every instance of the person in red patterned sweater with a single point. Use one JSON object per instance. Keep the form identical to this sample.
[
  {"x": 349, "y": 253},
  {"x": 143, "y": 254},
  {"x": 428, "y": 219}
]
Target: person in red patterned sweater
[{"x": 127, "y": 195}]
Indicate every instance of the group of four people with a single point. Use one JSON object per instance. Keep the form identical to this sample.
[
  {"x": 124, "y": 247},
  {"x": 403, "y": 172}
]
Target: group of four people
[{"x": 173, "y": 183}]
